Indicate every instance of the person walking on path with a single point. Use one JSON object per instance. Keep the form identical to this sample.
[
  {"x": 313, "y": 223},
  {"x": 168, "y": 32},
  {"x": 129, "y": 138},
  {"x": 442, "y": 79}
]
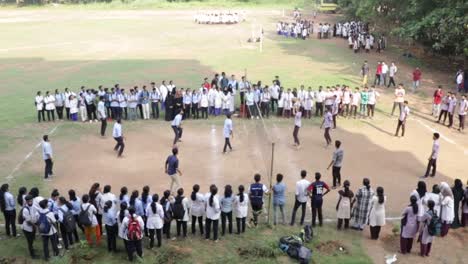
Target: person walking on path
[
  {"x": 336, "y": 162},
  {"x": 432, "y": 160},
  {"x": 402, "y": 120},
  {"x": 177, "y": 127},
  {"x": 172, "y": 169},
  {"x": 118, "y": 136},
  {"x": 47, "y": 156},
  {"x": 228, "y": 133}
]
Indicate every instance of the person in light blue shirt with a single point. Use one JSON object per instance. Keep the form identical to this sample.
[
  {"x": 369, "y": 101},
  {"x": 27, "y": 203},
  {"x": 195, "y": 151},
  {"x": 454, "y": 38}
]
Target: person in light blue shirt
[
  {"x": 8, "y": 208},
  {"x": 226, "y": 209},
  {"x": 136, "y": 203},
  {"x": 112, "y": 227},
  {"x": 63, "y": 206},
  {"x": 279, "y": 199}
]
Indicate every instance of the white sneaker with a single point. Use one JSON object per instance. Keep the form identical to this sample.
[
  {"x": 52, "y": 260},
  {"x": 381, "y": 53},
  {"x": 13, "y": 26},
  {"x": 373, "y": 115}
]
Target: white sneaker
[{"x": 258, "y": 117}]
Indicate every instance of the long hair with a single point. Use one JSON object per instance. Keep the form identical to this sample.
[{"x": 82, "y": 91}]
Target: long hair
[
  {"x": 380, "y": 194},
  {"x": 214, "y": 191},
  {"x": 21, "y": 192},
  {"x": 72, "y": 195},
  {"x": 421, "y": 189},
  {"x": 366, "y": 183},
  {"x": 93, "y": 193},
  {"x": 123, "y": 192},
  {"x": 153, "y": 203},
  {"x": 241, "y": 193},
  {"x": 165, "y": 197},
  {"x": 196, "y": 189},
  {"x": 123, "y": 207},
  {"x": 133, "y": 198},
  {"x": 3, "y": 190},
  {"x": 145, "y": 194},
  {"x": 228, "y": 191},
  {"x": 346, "y": 185},
  {"x": 414, "y": 204}
]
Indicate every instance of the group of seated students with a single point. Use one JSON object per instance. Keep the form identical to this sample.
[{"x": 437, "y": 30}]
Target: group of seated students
[
  {"x": 219, "y": 17},
  {"x": 138, "y": 219}
]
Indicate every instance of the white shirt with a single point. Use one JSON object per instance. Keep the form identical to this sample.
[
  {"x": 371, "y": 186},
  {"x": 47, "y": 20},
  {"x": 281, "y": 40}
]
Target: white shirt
[
  {"x": 92, "y": 211},
  {"x": 177, "y": 120},
  {"x": 212, "y": 212},
  {"x": 447, "y": 212},
  {"x": 384, "y": 68},
  {"x": 372, "y": 97},
  {"x": 301, "y": 190},
  {"x": 101, "y": 110},
  {"x": 328, "y": 121},
  {"x": 197, "y": 207},
  {"x": 399, "y": 95},
  {"x": 227, "y": 128},
  {"x": 404, "y": 114},
  {"x": 39, "y": 102},
  {"x": 298, "y": 119},
  {"x": 435, "y": 149},
  {"x": 108, "y": 197},
  {"x": 155, "y": 220},
  {"x": 46, "y": 150},
  {"x": 30, "y": 217},
  {"x": 117, "y": 130},
  {"x": 463, "y": 107},
  {"x": 126, "y": 221},
  {"x": 241, "y": 208}
]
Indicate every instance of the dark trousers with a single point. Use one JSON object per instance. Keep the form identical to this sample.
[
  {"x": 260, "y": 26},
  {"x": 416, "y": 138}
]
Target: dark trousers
[
  {"x": 132, "y": 247},
  {"x": 195, "y": 111},
  {"x": 227, "y": 143},
  {"x": 124, "y": 113},
  {"x": 91, "y": 111},
  {"x": 334, "y": 121},
  {"x": 340, "y": 223},
  {"x": 318, "y": 109},
  {"x": 240, "y": 222},
  {"x": 204, "y": 112},
  {"x": 140, "y": 109},
  {"x": 375, "y": 231},
  {"x": 462, "y": 122},
  {"x": 109, "y": 112},
  {"x": 406, "y": 244},
  {"x": 242, "y": 96},
  {"x": 177, "y": 133},
  {"x": 155, "y": 109},
  {"x": 370, "y": 110},
  {"x": 67, "y": 112},
  {"x": 99, "y": 220},
  {"x": 167, "y": 230},
  {"x": 120, "y": 146},
  {"x": 200, "y": 224},
  {"x": 317, "y": 209},
  {"x": 395, "y": 104},
  {"x": 450, "y": 120},
  {"x": 67, "y": 237},
  {"x": 303, "y": 209},
  {"x": 45, "y": 245},
  {"x": 158, "y": 233},
  {"x": 59, "y": 112},
  {"x": 187, "y": 108},
  {"x": 327, "y": 135},
  {"x": 274, "y": 103},
  {"x": 112, "y": 232},
  {"x": 425, "y": 249},
  {"x": 336, "y": 172},
  {"x": 30, "y": 236},
  {"x": 345, "y": 110},
  {"x": 182, "y": 226},
  {"x": 80, "y": 226},
  {"x": 444, "y": 114},
  {"x": 432, "y": 163},
  {"x": 265, "y": 108},
  {"x": 401, "y": 124},
  {"x": 377, "y": 79},
  {"x": 49, "y": 114},
  {"x": 209, "y": 223},
  {"x": 353, "y": 111},
  {"x": 10, "y": 222},
  {"x": 226, "y": 217},
  {"x": 295, "y": 135},
  {"x": 48, "y": 168},
  {"x": 39, "y": 115},
  {"x": 103, "y": 126},
  {"x": 391, "y": 81}
]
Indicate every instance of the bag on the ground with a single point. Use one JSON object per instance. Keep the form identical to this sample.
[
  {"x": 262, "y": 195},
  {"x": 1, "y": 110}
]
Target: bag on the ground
[
  {"x": 308, "y": 233},
  {"x": 178, "y": 210},
  {"x": 68, "y": 220},
  {"x": 134, "y": 230},
  {"x": 44, "y": 225},
  {"x": 83, "y": 217},
  {"x": 287, "y": 241},
  {"x": 434, "y": 228},
  {"x": 304, "y": 255},
  {"x": 20, "y": 215}
]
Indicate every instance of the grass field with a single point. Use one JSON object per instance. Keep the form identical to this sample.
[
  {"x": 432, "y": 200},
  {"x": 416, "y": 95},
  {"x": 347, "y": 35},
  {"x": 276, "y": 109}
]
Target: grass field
[{"x": 53, "y": 48}]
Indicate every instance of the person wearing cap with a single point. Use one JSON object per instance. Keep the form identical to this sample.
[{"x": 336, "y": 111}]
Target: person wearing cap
[{"x": 30, "y": 216}]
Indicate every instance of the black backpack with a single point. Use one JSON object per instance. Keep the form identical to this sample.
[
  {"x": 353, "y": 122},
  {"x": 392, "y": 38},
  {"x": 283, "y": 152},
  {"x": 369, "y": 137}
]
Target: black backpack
[
  {"x": 167, "y": 212},
  {"x": 68, "y": 220},
  {"x": 83, "y": 217},
  {"x": 178, "y": 210},
  {"x": 20, "y": 215}
]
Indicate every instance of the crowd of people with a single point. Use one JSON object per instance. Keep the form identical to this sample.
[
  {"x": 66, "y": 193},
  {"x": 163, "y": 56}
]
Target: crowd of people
[
  {"x": 145, "y": 218},
  {"x": 449, "y": 104},
  {"x": 298, "y": 29},
  {"x": 219, "y": 17}
]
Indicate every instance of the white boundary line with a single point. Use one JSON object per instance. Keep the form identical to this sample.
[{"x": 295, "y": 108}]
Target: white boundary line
[{"x": 18, "y": 166}]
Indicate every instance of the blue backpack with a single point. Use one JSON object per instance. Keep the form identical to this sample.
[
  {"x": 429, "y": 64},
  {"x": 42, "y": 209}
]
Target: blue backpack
[{"x": 44, "y": 224}]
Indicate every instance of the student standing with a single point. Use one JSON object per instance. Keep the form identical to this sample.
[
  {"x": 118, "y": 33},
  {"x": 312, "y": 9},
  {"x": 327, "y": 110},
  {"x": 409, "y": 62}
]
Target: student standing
[
  {"x": 425, "y": 238},
  {"x": 111, "y": 223},
  {"x": 458, "y": 192},
  {"x": 133, "y": 225},
  {"x": 337, "y": 162},
  {"x": 256, "y": 192},
  {"x": 197, "y": 209},
  {"x": 241, "y": 205},
  {"x": 155, "y": 222},
  {"x": 447, "y": 213},
  {"x": 297, "y": 126},
  {"x": 392, "y": 72},
  {"x": 8, "y": 208},
  {"x": 402, "y": 120},
  {"x": 101, "y": 110},
  {"x": 118, "y": 137},
  {"x": 39, "y": 102},
  {"x": 73, "y": 108},
  {"x": 437, "y": 100},
  {"x": 409, "y": 226},
  {"x": 464, "y": 220},
  {"x": 462, "y": 110},
  {"x": 361, "y": 210},
  {"x": 432, "y": 164},
  {"x": 93, "y": 226},
  {"x": 47, "y": 157},
  {"x": 59, "y": 102},
  {"x": 213, "y": 211},
  {"x": 226, "y": 210},
  {"x": 47, "y": 229},
  {"x": 168, "y": 214},
  {"x": 301, "y": 198},
  {"x": 452, "y": 104},
  {"x": 399, "y": 98},
  {"x": 155, "y": 97},
  {"x": 416, "y": 78},
  {"x": 327, "y": 123},
  {"x": 317, "y": 192},
  {"x": 356, "y": 97},
  {"x": 144, "y": 99},
  {"x": 377, "y": 213},
  {"x": 30, "y": 217},
  {"x": 66, "y": 221},
  {"x": 228, "y": 133},
  {"x": 172, "y": 169},
  {"x": 204, "y": 103},
  {"x": 279, "y": 199},
  {"x": 177, "y": 127},
  {"x": 49, "y": 101},
  {"x": 343, "y": 207}
]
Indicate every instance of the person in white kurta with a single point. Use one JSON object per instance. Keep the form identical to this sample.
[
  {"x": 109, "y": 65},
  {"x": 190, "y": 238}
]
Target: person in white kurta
[
  {"x": 49, "y": 101},
  {"x": 39, "y": 102},
  {"x": 241, "y": 206},
  {"x": 155, "y": 220},
  {"x": 376, "y": 214},
  {"x": 197, "y": 209}
]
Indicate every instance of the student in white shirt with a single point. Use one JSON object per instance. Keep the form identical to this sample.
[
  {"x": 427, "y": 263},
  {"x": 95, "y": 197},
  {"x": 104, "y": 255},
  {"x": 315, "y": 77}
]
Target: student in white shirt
[
  {"x": 59, "y": 103},
  {"x": 301, "y": 198},
  {"x": 177, "y": 127},
  {"x": 67, "y": 95},
  {"x": 402, "y": 119},
  {"x": 123, "y": 103},
  {"x": 30, "y": 217},
  {"x": 197, "y": 209},
  {"x": 241, "y": 205},
  {"x": 392, "y": 72},
  {"x": 50, "y": 235},
  {"x": 73, "y": 108},
  {"x": 118, "y": 136},
  {"x": 327, "y": 124},
  {"x": 274, "y": 92},
  {"x": 213, "y": 212},
  {"x": 181, "y": 212},
  {"x": 47, "y": 154},
  {"x": 297, "y": 126},
  {"x": 228, "y": 133},
  {"x": 432, "y": 160},
  {"x": 372, "y": 100},
  {"x": 92, "y": 229},
  {"x": 309, "y": 103},
  {"x": 452, "y": 104},
  {"x": 155, "y": 97},
  {"x": 287, "y": 103},
  {"x": 101, "y": 112},
  {"x": 49, "y": 101},
  {"x": 39, "y": 102},
  {"x": 204, "y": 103},
  {"x": 319, "y": 97},
  {"x": 155, "y": 221},
  {"x": 133, "y": 240},
  {"x": 462, "y": 110},
  {"x": 399, "y": 98},
  {"x": 447, "y": 213},
  {"x": 196, "y": 96},
  {"x": 65, "y": 228},
  {"x": 265, "y": 102}
]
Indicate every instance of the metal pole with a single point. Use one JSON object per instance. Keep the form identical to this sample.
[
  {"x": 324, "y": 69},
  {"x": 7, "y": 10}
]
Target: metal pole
[{"x": 271, "y": 180}]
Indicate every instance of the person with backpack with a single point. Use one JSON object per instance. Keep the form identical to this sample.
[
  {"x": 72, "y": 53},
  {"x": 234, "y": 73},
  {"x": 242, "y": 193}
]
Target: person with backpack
[
  {"x": 197, "y": 209},
  {"x": 226, "y": 209},
  {"x": 95, "y": 198},
  {"x": 155, "y": 220},
  {"x": 47, "y": 229},
  {"x": 316, "y": 191},
  {"x": 133, "y": 227},
  {"x": 343, "y": 207},
  {"x": 213, "y": 212},
  {"x": 168, "y": 215},
  {"x": 279, "y": 199},
  {"x": 111, "y": 224},
  {"x": 377, "y": 213},
  {"x": 76, "y": 203},
  {"x": 52, "y": 202},
  {"x": 122, "y": 213},
  {"x": 20, "y": 198},
  {"x": 409, "y": 225},
  {"x": 447, "y": 208},
  {"x": 66, "y": 221},
  {"x": 241, "y": 207},
  {"x": 145, "y": 201},
  {"x": 27, "y": 219},
  {"x": 181, "y": 212},
  {"x": 426, "y": 230},
  {"x": 8, "y": 208},
  {"x": 88, "y": 219},
  {"x": 256, "y": 192}
]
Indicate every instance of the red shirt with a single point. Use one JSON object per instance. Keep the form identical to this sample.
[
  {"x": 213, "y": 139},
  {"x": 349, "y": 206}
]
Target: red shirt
[
  {"x": 207, "y": 85},
  {"x": 379, "y": 69},
  {"x": 417, "y": 75},
  {"x": 438, "y": 96}
]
